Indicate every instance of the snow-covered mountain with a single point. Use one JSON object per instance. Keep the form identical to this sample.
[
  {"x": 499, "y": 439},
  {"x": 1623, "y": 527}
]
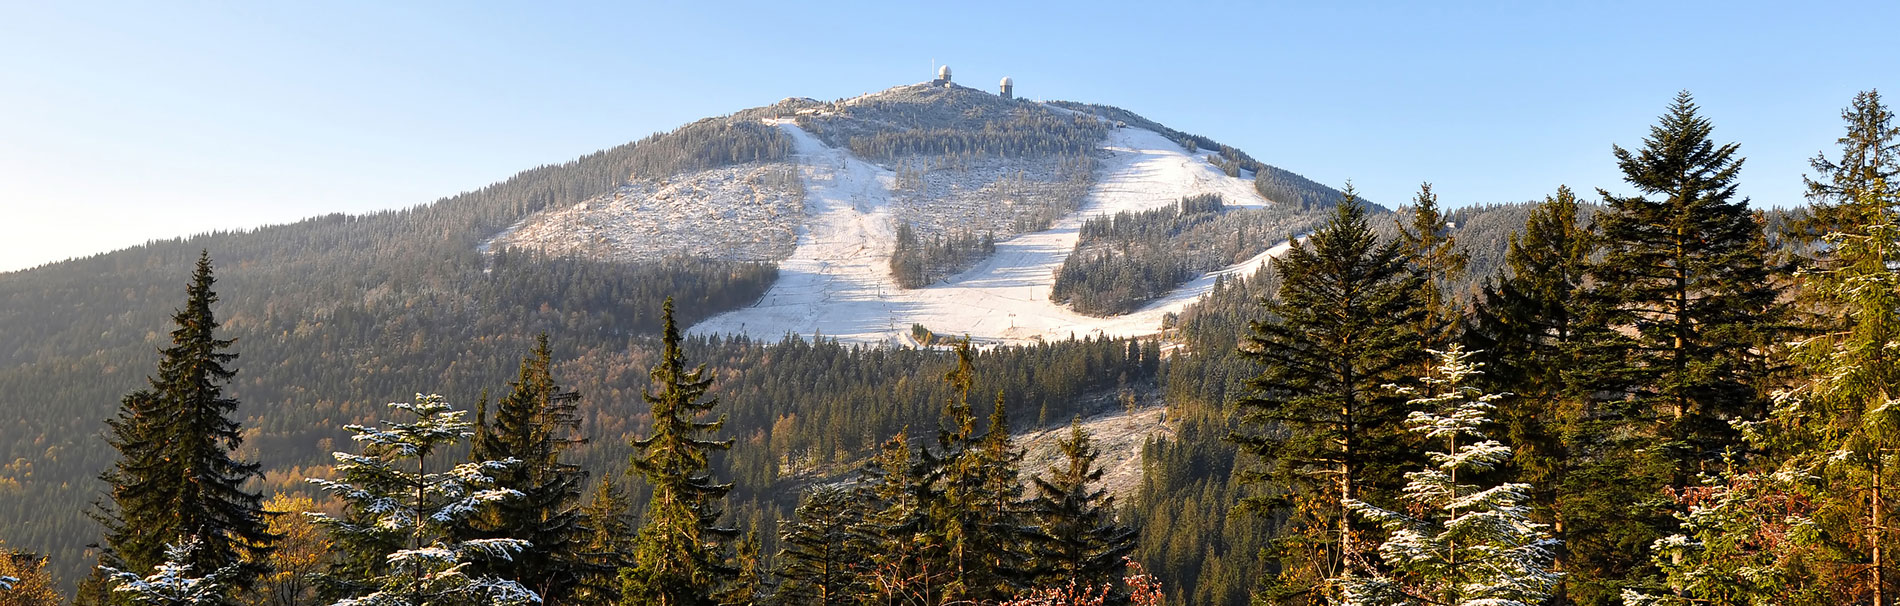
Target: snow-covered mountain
[{"x": 942, "y": 161}]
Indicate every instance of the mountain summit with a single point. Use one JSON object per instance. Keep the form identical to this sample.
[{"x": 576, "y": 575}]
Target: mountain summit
[{"x": 929, "y": 207}]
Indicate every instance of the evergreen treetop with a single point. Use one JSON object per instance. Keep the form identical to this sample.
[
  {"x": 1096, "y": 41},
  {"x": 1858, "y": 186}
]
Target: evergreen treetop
[
  {"x": 1322, "y": 419},
  {"x": 1684, "y": 291},
  {"x": 400, "y": 515},
  {"x": 176, "y": 477},
  {"x": 681, "y": 555},
  {"x": 1455, "y": 543},
  {"x": 1079, "y": 546},
  {"x": 535, "y": 424}
]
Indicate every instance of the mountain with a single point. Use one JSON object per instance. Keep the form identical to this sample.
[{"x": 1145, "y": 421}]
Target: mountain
[{"x": 889, "y": 218}]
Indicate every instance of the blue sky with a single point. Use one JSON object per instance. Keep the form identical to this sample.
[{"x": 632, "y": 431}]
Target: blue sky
[{"x": 130, "y": 121}]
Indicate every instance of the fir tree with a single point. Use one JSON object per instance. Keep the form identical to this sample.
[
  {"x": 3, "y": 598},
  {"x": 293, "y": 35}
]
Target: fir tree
[
  {"x": 748, "y": 584},
  {"x": 393, "y": 498},
  {"x": 171, "y": 582},
  {"x": 1456, "y": 543},
  {"x": 821, "y": 560},
  {"x": 958, "y": 476},
  {"x": 1684, "y": 291},
  {"x": 1869, "y": 164},
  {"x": 1321, "y": 418},
  {"x": 1079, "y": 545},
  {"x": 1746, "y": 539},
  {"x": 176, "y": 477},
  {"x": 681, "y": 554},
  {"x": 535, "y": 424},
  {"x": 1003, "y": 529}
]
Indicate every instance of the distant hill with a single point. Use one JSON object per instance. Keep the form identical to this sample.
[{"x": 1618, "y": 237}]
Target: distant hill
[{"x": 335, "y": 315}]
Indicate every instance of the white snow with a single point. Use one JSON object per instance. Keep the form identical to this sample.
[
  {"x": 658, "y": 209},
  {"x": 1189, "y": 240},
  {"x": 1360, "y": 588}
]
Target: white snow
[{"x": 837, "y": 281}]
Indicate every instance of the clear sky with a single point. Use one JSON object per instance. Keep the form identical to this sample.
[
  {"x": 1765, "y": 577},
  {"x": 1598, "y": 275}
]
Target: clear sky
[{"x": 123, "y": 122}]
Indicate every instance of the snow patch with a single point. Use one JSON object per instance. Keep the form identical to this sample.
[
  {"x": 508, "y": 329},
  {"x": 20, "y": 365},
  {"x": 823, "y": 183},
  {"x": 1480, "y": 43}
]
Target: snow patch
[{"x": 837, "y": 283}]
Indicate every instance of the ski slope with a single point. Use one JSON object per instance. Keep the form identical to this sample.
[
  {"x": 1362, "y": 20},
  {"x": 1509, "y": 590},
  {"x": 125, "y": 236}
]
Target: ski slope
[{"x": 837, "y": 281}]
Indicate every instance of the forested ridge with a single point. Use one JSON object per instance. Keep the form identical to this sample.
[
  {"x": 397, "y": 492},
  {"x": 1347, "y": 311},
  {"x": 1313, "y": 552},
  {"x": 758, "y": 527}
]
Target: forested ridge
[{"x": 1657, "y": 398}]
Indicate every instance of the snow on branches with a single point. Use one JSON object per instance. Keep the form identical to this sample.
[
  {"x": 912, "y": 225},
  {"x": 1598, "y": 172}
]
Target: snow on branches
[
  {"x": 1466, "y": 545},
  {"x": 392, "y": 499}
]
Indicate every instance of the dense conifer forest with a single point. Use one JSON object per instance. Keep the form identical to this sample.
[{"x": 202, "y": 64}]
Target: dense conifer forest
[
  {"x": 1124, "y": 261},
  {"x": 1657, "y": 398}
]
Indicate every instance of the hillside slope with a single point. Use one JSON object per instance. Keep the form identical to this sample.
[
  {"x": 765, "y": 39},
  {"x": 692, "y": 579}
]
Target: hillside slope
[
  {"x": 335, "y": 315},
  {"x": 837, "y": 281}
]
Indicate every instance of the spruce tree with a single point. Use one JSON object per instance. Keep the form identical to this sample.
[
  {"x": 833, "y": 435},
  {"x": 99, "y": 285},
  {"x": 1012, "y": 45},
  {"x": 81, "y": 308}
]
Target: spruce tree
[
  {"x": 1436, "y": 255},
  {"x": 821, "y": 560},
  {"x": 899, "y": 567},
  {"x": 172, "y": 582},
  {"x": 176, "y": 477},
  {"x": 535, "y": 424},
  {"x": 1869, "y": 163},
  {"x": 1321, "y": 419},
  {"x": 399, "y": 515},
  {"x": 1685, "y": 288},
  {"x": 959, "y": 476},
  {"x": 1003, "y": 530},
  {"x": 1526, "y": 332},
  {"x": 1079, "y": 545},
  {"x": 1838, "y": 427},
  {"x": 607, "y": 545},
  {"x": 682, "y": 556}
]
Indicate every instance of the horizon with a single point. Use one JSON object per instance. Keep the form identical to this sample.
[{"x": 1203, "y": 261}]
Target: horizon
[{"x": 137, "y": 123}]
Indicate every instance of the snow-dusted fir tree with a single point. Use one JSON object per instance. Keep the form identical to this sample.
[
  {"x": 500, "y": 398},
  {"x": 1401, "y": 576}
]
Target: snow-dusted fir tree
[
  {"x": 172, "y": 583},
  {"x": 1467, "y": 545},
  {"x": 393, "y": 498}
]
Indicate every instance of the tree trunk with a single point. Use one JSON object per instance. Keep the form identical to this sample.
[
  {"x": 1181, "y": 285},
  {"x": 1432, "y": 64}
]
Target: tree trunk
[{"x": 1878, "y": 533}]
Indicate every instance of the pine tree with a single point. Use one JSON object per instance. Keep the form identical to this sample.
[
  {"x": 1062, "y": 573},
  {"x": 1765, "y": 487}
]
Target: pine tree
[
  {"x": 175, "y": 477},
  {"x": 681, "y": 555},
  {"x": 1456, "y": 543},
  {"x": 1079, "y": 545},
  {"x": 608, "y": 544},
  {"x": 399, "y": 515},
  {"x": 535, "y": 424},
  {"x": 1684, "y": 282},
  {"x": 1321, "y": 418},
  {"x": 821, "y": 560}
]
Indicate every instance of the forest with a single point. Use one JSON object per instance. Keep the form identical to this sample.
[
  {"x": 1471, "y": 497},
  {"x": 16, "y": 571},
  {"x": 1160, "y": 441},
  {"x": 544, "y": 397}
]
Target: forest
[
  {"x": 916, "y": 263},
  {"x": 1125, "y": 261},
  {"x": 1658, "y": 398}
]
